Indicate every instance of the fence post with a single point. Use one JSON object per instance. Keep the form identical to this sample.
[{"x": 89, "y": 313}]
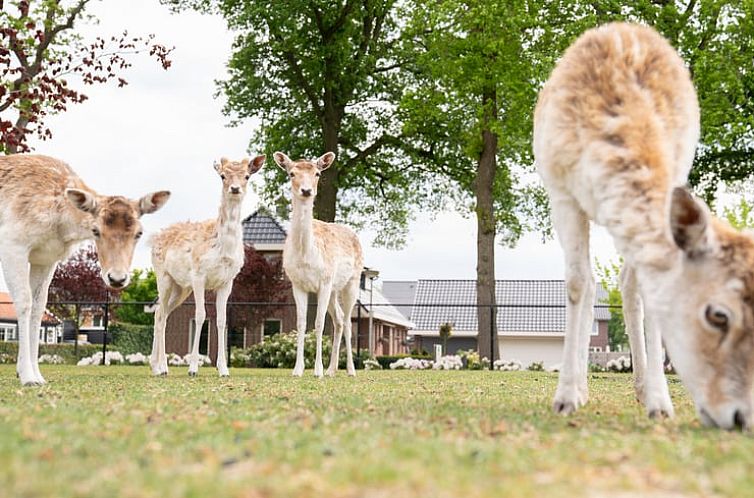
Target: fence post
[
  {"x": 493, "y": 332},
  {"x": 76, "y": 333},
  {"x": 105, "y": 323},
  {"x": 358, "y": 328}
]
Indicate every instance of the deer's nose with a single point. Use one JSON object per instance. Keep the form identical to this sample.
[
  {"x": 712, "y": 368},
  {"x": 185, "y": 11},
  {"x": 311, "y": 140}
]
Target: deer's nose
[
  {"x": 117, "y": 281},
  {"x": 235, "y": 190},
  {"x": 306, "y": 192}
]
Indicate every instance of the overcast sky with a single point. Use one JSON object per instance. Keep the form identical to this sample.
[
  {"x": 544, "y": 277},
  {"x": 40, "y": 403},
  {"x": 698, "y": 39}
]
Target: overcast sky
[{"x": 165, "y": 129}]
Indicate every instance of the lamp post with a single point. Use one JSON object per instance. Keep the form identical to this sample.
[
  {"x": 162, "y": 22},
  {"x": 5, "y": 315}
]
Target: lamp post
[{"x": 371, "y": 274}]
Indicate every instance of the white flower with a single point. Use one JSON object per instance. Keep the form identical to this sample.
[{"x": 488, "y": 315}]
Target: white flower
[
  {"x": 507, "y": 365},
  {"x": 449, "y": 362},
  {"x": 84, "y": 362},
  {"x": 371, "y": 364},
  {"x": 137, "y": 359},
  {"x": 410, "y": 364},
  {"x": 52, "y": 359}
]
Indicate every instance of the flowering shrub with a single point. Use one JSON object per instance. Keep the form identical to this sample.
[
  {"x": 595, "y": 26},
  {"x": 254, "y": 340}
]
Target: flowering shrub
[
  {"x": 507, "y": 365},
  {"x": 448, "y": 362},
  {"x": 111, "y": 358},
  {"x": 137, "y": 359},
  {"x": 279, "y": 351},
  {"x": 622, "y": 364},
  {"x": 203, "y": 359},
  {"x": 371, "y": 364},
  {"x": 536, "y": 366},
  {"x": 6, "y": 358},
  {"x": 52, "y": 359},
  {"x": 472, "y": 360},
  {"x": 409, "y": 363}
]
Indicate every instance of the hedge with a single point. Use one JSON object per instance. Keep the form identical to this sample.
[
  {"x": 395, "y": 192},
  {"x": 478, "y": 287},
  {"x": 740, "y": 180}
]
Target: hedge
[
  {"x": 65, "y": 351},
  {"x": 129, "y": 338}
]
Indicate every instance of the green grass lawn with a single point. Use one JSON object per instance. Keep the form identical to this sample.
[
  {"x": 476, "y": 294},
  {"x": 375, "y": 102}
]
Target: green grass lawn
[{"x": 117, "y": 431}]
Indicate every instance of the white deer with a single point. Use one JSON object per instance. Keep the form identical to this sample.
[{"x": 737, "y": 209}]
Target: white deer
[
  {"x": 46, "y": 211},
  {"x": 615, "y": 130},
  {"x": 322, "y": 258},
  {"x": 194, "y": 257}
]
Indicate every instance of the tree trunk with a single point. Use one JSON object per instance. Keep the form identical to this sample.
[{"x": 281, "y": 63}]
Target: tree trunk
[
  {"x": 21, "y": 123},
  {"x": 486, "y": 229},
  {"x": 327, "y": 191}
]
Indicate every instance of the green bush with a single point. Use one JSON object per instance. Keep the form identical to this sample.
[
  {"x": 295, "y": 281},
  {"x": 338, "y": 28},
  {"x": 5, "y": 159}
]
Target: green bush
[
  {"x": 536, "y": 366},
  {"x": 130, "y": 338},
  {"x": 9, "y": 351}
]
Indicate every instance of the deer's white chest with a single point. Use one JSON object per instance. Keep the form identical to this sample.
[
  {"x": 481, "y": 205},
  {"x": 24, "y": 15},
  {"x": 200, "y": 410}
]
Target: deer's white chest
[
  {"x": 221, "y": 265},
  {"x": 306, "y": 272}
]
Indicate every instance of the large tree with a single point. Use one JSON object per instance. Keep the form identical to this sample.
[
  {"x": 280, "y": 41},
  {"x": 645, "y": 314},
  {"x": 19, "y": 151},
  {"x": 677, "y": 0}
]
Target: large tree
[
  {"x": 40, "y": 51},
  {"x": 477, "y": 65},
  {"x": 324, "y": 76}
]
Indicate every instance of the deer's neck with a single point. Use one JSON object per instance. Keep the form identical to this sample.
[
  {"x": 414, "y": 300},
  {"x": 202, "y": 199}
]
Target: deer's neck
[
  {"x": 302, "y": 227},
  {"x": 640, "y": 229},
  {"x": 229, "y": 229}
]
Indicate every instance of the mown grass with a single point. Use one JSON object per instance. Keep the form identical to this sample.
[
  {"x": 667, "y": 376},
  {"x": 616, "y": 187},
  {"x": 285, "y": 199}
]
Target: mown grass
[{"x": 117, "y": 431}]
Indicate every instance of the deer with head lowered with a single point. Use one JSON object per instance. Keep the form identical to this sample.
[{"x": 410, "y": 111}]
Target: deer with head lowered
[
  {"x": 196, "y": 257},
  {"x": 321, "y": 258},
  {"x": 615, "y": 131},
  {"x": 46, "y": 211}
]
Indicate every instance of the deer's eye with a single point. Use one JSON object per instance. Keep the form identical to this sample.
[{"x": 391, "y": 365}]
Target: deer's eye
[
  {"x": 291, "y": 174},
  {"x": 222, "y": 176},
  {"x": 95, "y": 232},
  {"x": 248, "y": 176},
  {"x": 718, "y": 317},
  {"x": 139, "y": 234},
  {"x": 317, "y": 174}
]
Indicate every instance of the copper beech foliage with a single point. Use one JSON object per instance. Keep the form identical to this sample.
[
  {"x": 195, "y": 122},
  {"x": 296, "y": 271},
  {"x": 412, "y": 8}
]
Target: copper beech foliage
[{"x": 40, "y": 51}]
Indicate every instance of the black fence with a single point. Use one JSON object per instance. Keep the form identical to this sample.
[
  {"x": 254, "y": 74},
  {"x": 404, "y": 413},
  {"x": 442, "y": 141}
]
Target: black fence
[{"x": 105, "y": 316}]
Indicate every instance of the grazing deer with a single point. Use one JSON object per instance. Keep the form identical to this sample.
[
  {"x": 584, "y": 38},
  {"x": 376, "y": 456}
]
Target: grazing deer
[
  {"x": 45, "y": 212},
  {"x": 194, "y": 257},
  {"x": 322, "y": 258},
  {"x": 615, "y": 130}
]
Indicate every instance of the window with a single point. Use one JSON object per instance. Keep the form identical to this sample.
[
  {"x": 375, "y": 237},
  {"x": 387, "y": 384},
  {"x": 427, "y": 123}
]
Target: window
[
  {"x": 237, "y": 337},
  {"x": 595, "y": 349},
  {"x": 7, "y": 333},
  {"x": 97, "y": 321},
  {"x": 203, "y": 338},
  {"x": 271, "y": 327}
]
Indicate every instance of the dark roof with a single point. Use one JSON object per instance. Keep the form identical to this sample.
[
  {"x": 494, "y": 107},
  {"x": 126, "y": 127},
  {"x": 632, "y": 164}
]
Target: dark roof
[
  {"x": 262, "y": 228},
  {"x": 400, "y": 292},
  {"x": 532, "y": 305}
]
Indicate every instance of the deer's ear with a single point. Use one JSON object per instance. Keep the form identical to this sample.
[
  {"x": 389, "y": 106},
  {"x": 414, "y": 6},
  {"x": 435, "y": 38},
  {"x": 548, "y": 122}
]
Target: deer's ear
[
  {"x": 256, "y": 164},
  {"x": 326, "y": 161},
  {"x": 82, "y": 199},
  {"x": 152, "y": 202},
  {"x": 689, "y": 223},
  {"x": 282, "y": 160}
]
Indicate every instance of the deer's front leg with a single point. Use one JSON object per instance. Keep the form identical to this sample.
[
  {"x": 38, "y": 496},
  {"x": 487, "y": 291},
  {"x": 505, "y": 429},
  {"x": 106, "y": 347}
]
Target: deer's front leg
[
  {"x": 200, "y": 315},
  {"x": 222, "y": 333},
  {"x": 323, "y": 299},
  {"x": 301, "y": 297}
]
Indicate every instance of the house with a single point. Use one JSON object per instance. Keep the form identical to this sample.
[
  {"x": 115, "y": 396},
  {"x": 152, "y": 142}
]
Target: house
[
  {"x": 251, "y": 324},
  {"x": 391, "y": 326},
  {"x": 51, "y": 330},
  {"x": 530, "y": 319}
]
